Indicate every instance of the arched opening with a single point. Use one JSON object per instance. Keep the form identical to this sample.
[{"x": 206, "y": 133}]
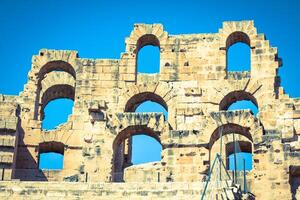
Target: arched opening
[
  {"x": 51, "y": 156},
  {"x": 234, "y": 144},
  {"x": 148, "y": 54},
  {"x": 61, "y": 98},
  {"x": 120, "y": 162},
  {"x": 140, "y": 98},
  {"x": 144, "y": 148},
  {"x": 144, "y": 102},
  {"x": 238, "y": 52},
  {"x": 239, "y": 155},
  {"x": 57, "y": 65},
  {"x": 56, "y": 79},
  {"x": 224, "y": 134},
  {"x": 57, "y": 112},
  {"x": 239, "y": 100}
]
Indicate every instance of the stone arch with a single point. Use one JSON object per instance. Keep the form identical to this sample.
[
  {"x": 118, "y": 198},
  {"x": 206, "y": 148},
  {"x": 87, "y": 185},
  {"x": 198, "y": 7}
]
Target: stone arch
[
  {"x": 237, "y": 31},
  {"x": 159, "y": 92},
  {"x": 51, "y": 60},
  {"x": 56, "y": 65},
  {"x": 145, "y": 34},
  {"x": 44, "y": 64},
  {"x": 141, "y": 35},
  {"x": 55, "y": 78},
  {"x": 235, "y": 96},
  {"x": 234, "y": 32},
  {"x": 235, "y": 37},
  {"x": 227, "y": 129},
  {"x": 52, "y": 146},
  {"x": 241, "y": 136},
  {"x": 139, "y": 98},
  {"x": 147, "y": 39},
  {"x": 246, "y": 89},
  {"x": 55, "y": 92},
  {"x": 241, "y": 121},
  {"x": 136, "y": 130},
  {"x": 118, "y": 160}
]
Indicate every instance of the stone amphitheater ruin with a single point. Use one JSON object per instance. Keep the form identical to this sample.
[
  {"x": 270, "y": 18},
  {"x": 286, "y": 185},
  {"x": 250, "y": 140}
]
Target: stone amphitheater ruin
[{"x": 196, "y": 89}]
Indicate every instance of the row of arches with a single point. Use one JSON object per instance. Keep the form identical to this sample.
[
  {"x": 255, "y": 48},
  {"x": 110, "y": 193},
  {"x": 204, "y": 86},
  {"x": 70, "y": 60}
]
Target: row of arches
[
  {"x": 238, "y": 53},
  {"x": 233, "y": 136},
  {"x": 148, "y": 61},
  {"x": 134, "y": 145}
]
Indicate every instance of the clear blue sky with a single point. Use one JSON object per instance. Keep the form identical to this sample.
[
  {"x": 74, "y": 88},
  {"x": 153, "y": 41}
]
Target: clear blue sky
[{"x": 97, "y": 29}]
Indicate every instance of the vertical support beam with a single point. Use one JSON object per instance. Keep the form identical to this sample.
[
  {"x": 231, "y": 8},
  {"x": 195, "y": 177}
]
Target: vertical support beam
[{"x": 235, "y": 160}]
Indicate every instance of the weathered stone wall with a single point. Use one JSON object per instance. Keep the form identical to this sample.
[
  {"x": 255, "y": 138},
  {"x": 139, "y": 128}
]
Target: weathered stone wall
[
  {"x": 103, "y": 191},
  {"x": 193, "y": 85}
]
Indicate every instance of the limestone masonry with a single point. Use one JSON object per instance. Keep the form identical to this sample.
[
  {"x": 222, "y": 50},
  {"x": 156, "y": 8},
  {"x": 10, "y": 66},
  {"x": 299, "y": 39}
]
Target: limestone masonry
[{"x": 196, "y": 89}]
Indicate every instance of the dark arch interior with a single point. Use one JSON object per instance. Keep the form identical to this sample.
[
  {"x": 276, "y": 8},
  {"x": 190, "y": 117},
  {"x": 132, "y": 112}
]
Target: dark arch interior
[
  {"x": 238, "y": 52},
  {"x": 134, "y": 130},
  {"x": 56, "y": 92},
  {"x": 236, "y": 37},
  {"x": 120, "y": 161},
  {"x": 56, "y": 66},
  {"x": 138, "y": 99},
  {"x": 235, "y": 96},
  {"x": 56, "y": 147},
  {"x": 148, "y": 54},
  {"x": 239, "y": 155},
  {"x": 148, "y": 39},
  {"x": 51, "y": 155},
  {"x": 227, "y": 129},
  {"x": 244, "y": 146}
]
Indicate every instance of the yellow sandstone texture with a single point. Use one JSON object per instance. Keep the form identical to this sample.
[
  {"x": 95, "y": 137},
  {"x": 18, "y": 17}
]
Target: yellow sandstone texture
[{"x": 196, "y": 89}]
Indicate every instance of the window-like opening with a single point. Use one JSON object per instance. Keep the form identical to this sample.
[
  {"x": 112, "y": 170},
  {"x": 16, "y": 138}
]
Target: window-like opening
[
  {"x": 148, "y": 54},
  {"x": 234, "y": 144},
  {"x": 57, "y": 112},
  {"x": 60, "y": 73},
  {"x": 239, "y": 100},
  {"x": 244, "y": 104},
  {"x": 148, "y": 60},
  {"x": 136, "y": 100},
  {"x": 51, "y": 161},
  {"x": 242, "y": 159},
  {"x": 239, "y": 57},
  {"x": 238, "y": 52},
  {"x": 121, "y": 158},
  {"x": 144, "y": 148},
  {"x": 51, "y": 156},
  {"x": 239, "y": 155}
]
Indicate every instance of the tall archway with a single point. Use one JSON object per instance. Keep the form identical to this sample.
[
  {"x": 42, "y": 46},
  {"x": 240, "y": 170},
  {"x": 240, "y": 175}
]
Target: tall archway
[
  {"x": 235, "y": 145},
  {"x": 119, "y": 161},
  {"x": 143, "y": 102},
  {"x": 57, "y": 92},
  {"x": 56, "y": 79},
  {"x": 148, "y": 54},
  {"x": 238, "y": 52}
]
